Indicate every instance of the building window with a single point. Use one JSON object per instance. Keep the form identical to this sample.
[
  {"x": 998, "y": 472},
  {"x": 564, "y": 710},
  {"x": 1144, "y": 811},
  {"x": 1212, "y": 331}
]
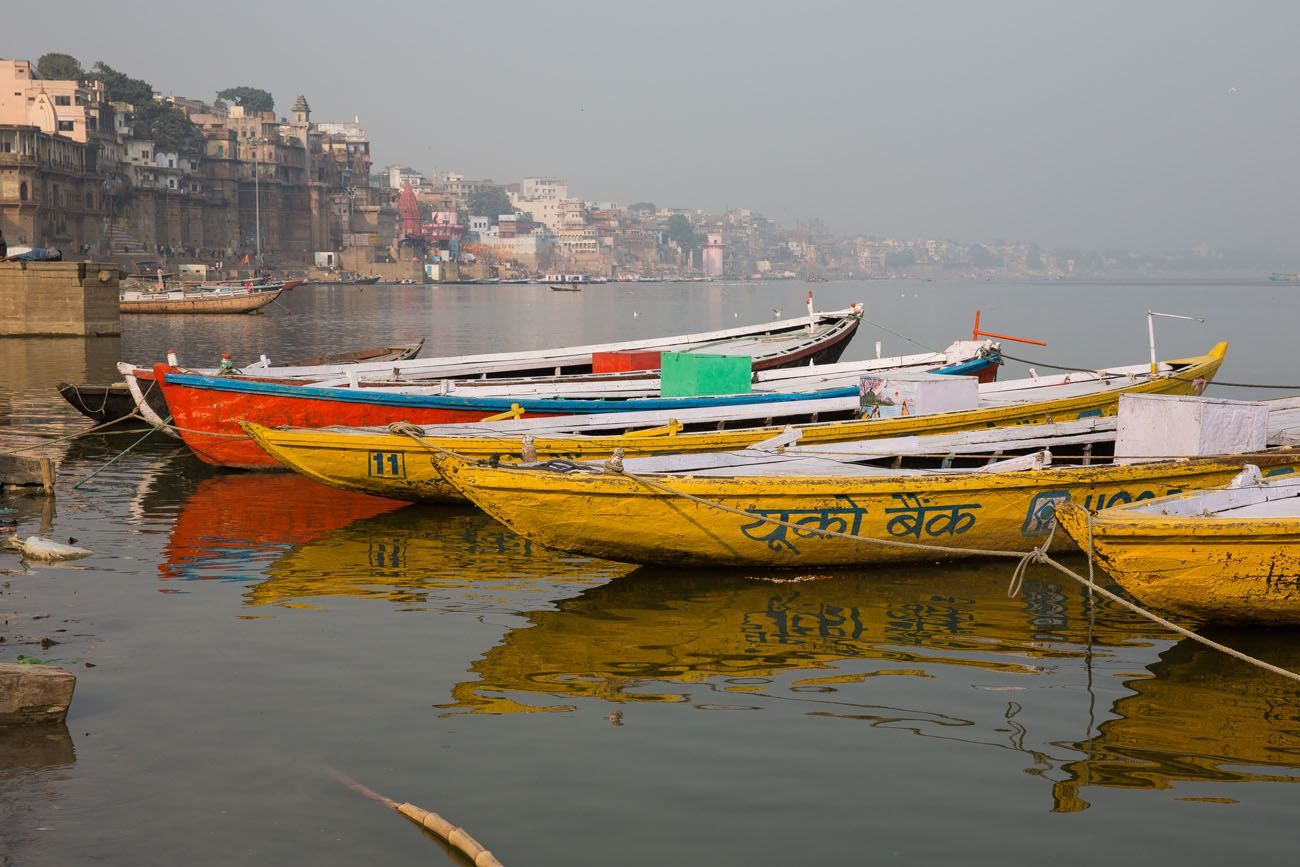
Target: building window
[
  {"x": 65, "y": 126},
  {"x": 63, "y": 100},
  {"x": 221, "y": 150},
  {"x": 22, "y": 192}
]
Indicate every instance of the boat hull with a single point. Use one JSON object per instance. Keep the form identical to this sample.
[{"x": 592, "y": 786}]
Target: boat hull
[
  {"x": 616, "y": 517},
  {"x": 111, "y": 403},
  {"x": 207, "y": 410},
  {"x": 1223, "y": 570},
  {"x": 107, "y": 403},
  {"x": 217, "y": 303},
  {"x": 346, "y": 460}
]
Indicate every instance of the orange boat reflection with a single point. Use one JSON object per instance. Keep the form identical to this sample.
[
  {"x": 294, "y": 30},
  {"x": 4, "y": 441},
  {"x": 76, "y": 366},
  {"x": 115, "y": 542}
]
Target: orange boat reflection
[
  {"x": 410, "y": 556},
  {"x": 233, "y": 521},
  {"x": 662, "y": 628},
  {"x": 1202, "y": 717}
]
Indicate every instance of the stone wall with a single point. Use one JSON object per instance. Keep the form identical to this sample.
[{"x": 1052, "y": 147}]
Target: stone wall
[{"x": 59, "y": 298}]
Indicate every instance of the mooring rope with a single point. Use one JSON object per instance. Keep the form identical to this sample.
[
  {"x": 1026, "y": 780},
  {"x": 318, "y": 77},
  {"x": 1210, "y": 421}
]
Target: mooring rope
[
  {"x": 1162, "y": 376},
  {"x": 78, "y": 435},
  {"x": 118, "y": 456},
  {"x": 911, "y": 340}
]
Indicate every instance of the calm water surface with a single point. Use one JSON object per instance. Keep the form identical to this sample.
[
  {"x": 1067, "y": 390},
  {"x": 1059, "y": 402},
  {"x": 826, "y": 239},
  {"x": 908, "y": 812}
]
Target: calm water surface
[{"x": 249, "y": 635}]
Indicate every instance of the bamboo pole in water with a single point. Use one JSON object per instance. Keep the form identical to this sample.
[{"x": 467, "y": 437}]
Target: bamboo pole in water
[{"x": 456, "y": 836}]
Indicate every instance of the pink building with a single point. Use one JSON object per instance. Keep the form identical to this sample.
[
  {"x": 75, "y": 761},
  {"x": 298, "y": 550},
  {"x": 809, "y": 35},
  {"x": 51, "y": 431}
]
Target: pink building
[{"x": 713, "y": 255}]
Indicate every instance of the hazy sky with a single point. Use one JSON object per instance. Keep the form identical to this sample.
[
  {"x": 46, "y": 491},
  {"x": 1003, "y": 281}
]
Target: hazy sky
[{"x": 1144, "y": 125}]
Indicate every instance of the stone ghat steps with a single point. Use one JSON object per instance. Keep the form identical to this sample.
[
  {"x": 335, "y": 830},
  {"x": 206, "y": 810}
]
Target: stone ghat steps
[{"x": 118, "y": 240}]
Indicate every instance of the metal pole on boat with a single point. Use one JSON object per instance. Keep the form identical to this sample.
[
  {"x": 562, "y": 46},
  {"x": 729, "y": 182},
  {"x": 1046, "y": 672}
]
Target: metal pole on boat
[{"x": 1151, "y": 331}]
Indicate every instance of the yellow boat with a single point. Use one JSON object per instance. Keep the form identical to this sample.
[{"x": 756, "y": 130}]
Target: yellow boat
[
  {"x": 389, "y": 465},
  {"x": 1230, "y": 555},
  {"x": 654, "y": 519}
]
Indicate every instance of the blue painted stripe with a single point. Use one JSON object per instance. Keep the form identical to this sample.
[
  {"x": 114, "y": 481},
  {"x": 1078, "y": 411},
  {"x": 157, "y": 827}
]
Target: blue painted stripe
[{"x": 568, "y": 406}]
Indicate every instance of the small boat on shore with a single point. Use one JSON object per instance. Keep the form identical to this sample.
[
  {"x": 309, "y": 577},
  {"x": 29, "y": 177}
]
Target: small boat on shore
[
  {"x": 210, "y": 299},
  {"x": 1229, "y": 555}
]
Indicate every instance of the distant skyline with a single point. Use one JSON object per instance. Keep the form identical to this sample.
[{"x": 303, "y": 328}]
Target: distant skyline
[{"x": 1151, "y": 126}]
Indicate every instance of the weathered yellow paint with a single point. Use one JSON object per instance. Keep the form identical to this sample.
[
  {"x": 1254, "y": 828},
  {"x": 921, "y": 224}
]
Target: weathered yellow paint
[
  {"x": 1233, "y": 570},
  {"x": 618, "y": 517},
  {"x": 345, "y": 460}
]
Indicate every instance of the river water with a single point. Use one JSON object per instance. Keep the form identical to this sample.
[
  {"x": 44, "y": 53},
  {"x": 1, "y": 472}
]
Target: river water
[{"x": 241, "y": 640}]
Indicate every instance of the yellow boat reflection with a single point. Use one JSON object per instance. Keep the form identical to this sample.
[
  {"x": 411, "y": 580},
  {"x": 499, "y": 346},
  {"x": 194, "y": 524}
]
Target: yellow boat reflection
[
  {"x": 407, "y": 556},
  {"x": 1201, "y": 717},
  {"x": 626, "y": 640}
]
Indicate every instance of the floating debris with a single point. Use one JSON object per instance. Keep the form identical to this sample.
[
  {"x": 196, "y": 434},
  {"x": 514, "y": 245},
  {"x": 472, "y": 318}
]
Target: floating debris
[{"x": 37, "y": 548}]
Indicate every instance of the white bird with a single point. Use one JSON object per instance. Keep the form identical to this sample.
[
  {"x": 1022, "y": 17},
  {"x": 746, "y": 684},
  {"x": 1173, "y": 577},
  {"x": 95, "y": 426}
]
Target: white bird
[
  {"x": 635, "y": 314},
  {"x": 776, "y": 312},
  {"x": 1232, "y": 91}
]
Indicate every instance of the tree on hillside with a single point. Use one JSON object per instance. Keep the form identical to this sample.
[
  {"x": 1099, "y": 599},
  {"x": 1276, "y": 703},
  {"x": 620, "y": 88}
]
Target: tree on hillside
[
  {"x": 60, "y": 67},
  {"x": 682, "y": 233},
  {"x": 490, "y": 203},
  {"x": 171, "y": 128},
  {"x": 121, "y": 87},
  {"x": 251, "y": 98}
]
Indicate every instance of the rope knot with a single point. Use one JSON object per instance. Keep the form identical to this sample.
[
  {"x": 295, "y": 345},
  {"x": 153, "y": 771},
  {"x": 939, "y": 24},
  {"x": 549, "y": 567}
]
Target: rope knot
[
  {"x": 615, "y": 462},
  {"x": 405, "y": 428}
]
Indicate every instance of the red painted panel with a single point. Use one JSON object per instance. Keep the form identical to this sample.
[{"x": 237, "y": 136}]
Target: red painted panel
[{"x": 621, "y": 362}]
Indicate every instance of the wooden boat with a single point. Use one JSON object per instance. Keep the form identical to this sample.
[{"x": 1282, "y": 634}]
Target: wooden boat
[
  {"x": 105, "y": 403},
  {"x": 819, "y": 338},
  {"x": 617, "y": 517},
  {"x": 347, "y": 458},
  {"x": 980, "y": 359},
  {"x": 555, "y": 288},
  {"x": 222, "y": 299},
  {"x": 1229, "y": 555},
  {"x": 207, "y": 409},
  {"x": 333, "y": 456}
]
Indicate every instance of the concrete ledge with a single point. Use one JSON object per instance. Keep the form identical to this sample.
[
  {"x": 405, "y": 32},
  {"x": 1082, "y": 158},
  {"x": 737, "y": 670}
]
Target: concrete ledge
[
  {"x": 59, "y": 299},
  {"x": 31, "y": 694}
]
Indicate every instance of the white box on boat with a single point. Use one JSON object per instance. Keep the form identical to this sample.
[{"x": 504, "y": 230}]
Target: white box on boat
[
  {"x": 1168, "y": 425},
  {"x": 898, "y": 394}
]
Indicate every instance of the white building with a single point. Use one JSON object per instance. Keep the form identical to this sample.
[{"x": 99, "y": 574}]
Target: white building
[
  {"x": 532, "y": 189},
  {"x": 400, "y": 176}
]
